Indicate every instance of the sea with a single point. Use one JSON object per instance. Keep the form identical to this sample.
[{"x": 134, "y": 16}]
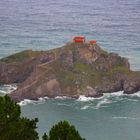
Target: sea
[{"x": 48, "y": 24}]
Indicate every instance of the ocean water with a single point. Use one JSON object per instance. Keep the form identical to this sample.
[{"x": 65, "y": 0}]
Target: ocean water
[{"x": 47, "y": 24}]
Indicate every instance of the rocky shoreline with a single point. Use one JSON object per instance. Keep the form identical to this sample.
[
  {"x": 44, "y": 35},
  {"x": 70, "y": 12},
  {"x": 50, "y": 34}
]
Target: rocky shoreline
[{"x": 72, "y": 70}]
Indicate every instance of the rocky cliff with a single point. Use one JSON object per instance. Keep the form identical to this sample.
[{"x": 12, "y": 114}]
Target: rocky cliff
[{"x": 72, "y": 70}]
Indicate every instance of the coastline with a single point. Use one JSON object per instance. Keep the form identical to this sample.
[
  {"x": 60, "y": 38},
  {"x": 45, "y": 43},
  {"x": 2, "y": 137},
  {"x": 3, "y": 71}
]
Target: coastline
[{"x": 72, "y": 70}]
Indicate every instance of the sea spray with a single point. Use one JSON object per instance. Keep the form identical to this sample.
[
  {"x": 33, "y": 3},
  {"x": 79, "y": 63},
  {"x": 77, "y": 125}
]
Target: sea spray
[{"x": 7, "y": 89}]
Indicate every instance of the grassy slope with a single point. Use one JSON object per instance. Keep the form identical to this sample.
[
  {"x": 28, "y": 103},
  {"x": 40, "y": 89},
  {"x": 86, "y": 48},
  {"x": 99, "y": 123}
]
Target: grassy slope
[
  {"x": 82, "y": 75},
  {"x": 22, "y": 56}
]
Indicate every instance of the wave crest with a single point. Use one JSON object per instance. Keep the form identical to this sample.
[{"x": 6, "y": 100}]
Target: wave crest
[
  {"x": 27, "y": 101},
  {"x": 7, "y": 89}
]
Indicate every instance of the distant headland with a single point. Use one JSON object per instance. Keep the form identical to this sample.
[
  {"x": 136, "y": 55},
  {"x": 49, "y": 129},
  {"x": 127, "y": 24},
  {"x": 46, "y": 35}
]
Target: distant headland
[{"x": 80, "y": 67}]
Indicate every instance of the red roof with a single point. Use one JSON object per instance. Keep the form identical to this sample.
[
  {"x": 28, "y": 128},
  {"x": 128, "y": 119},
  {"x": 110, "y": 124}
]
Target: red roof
[{"x": 79, "y": 39}]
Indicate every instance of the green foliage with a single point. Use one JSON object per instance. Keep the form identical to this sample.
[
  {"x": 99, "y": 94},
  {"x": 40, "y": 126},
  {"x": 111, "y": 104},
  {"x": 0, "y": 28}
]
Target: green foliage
[
  {"x": 119, "y": 69},
  {"x": 63, "y": 131},
  {"x": 104, "y": 53},
  {"x": 82, "y": 67},
  {"x": 23, "y": 55},
  {"x": 12, "y": 126},
  {"x": 66, "y": 77},
  {"x": 87, "y": 74},
  {"x": 45, "y": 137},
  {"x": 9, "y": 110}
]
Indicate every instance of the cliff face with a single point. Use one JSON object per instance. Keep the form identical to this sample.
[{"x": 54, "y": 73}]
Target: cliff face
[{"x": 72, "y": 70}]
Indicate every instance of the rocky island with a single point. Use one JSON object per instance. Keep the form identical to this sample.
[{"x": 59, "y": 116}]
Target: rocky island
[{"x": 77, "y": 68}]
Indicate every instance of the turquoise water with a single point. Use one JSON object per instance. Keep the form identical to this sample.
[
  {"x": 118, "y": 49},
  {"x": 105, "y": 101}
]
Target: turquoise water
[
  {"x": 47, "y": 24},
  {"x": 109, "y": 118}
]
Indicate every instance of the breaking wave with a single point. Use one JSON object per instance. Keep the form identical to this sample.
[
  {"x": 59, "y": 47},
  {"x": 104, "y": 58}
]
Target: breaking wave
[
  {"x": 62, "y": 97},
  {"x": 107, "y": 99},
  {"x": 27, "y": 101},
  {"x": 137, "y": 94},
  {"x": 82, "y": 102},
  {"x": 83, "y": 98},
  {"x": 6, "y": 89}
]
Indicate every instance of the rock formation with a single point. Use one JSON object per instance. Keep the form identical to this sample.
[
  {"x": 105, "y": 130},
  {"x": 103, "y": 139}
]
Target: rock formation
[{"x": 72, "y": 70}]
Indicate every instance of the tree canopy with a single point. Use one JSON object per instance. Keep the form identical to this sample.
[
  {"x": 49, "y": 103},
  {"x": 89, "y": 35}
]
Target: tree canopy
[
  {"x": 12, "y": 126},
  {"x": 63, "y": 131}
]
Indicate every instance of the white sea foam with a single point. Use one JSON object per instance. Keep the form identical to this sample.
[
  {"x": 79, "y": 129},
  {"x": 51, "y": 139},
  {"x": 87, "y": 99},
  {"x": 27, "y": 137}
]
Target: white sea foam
[
  {"x": 103, "y": 102},
  {"x": 84, "y": 107},
  {"x": 43, "y": 98},
  {"x": 6, "y": 89},
  {"x": 3, "y": 92},
  {"x": 35, "y": 102},
  {"x": 25, "y": 102},
  {"x": 62, "y": 97},
  {"x": 107, "y": 98},
  {"x": 85, "y": 99},
  {"x": 137, "y": 94},
  {"x": 124, "y": 117},
  {"x": 105, "y": 95},
  {"x": 119, "y": 93}
]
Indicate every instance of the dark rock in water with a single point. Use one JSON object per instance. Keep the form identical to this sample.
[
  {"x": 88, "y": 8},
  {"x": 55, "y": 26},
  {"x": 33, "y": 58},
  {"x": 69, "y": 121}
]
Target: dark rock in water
[
  {"x": 72, "y": 70},
  {"x": 131, "y": 85}
]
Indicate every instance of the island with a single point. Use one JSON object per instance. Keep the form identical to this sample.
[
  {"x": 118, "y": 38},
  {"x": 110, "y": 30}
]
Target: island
[{"x": 80, "y": 67}]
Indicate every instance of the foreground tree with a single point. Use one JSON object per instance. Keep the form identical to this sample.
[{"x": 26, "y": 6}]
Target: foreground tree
[
  {"x": 63, "y": 131},
  {"x": 15, "y": 127},
  {"x": 12, "y": 126}
]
